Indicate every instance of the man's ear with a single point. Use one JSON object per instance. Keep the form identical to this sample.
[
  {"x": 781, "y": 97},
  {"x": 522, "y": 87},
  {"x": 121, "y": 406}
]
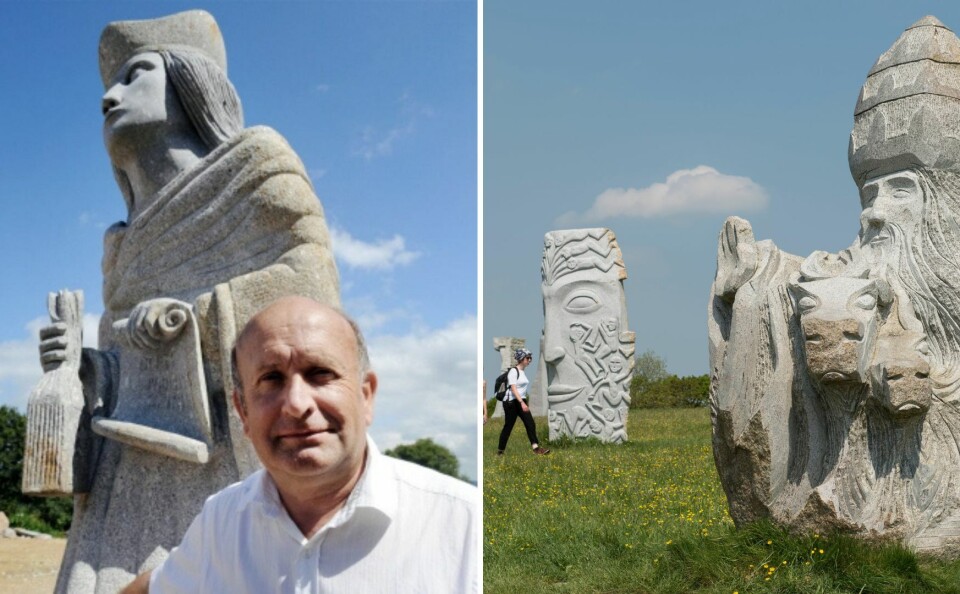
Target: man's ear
[
  {"x": 369, "y": 391},
  {"x": 240, "y": 407}
]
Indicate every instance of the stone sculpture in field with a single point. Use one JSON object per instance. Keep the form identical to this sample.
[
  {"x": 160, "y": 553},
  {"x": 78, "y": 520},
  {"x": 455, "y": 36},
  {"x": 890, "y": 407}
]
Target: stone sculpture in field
[
  {"x": 836, "y": 378},
  {"x": 587, "y": 350},
  {"x": 221, "y": 220},
  {"x": 505, "y": 346}
]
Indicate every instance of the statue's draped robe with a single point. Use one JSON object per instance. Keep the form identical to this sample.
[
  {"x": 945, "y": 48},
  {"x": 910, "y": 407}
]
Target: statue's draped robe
[
  {"x": 229, "y": 236},
  {"x": 753, "y": 372}
]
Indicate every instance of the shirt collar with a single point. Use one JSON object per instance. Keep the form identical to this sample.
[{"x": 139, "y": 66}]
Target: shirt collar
[{"x": 374, "y": 490}]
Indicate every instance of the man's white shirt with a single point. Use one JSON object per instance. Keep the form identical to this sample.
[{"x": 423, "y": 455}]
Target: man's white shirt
[{"x": 404, "y": 528}]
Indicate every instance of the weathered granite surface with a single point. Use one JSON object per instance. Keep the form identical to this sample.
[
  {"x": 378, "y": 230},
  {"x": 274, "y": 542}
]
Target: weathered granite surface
[
  {"x": 505, "y": 346},
  {"x": 587, "y": 351},
  {"x": 836, "y": 377},
  {"x": 221, "y": 221}
]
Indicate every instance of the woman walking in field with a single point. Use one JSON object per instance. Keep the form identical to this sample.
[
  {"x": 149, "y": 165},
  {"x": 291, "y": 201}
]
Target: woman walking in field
[{"x": 515, "y": 404}]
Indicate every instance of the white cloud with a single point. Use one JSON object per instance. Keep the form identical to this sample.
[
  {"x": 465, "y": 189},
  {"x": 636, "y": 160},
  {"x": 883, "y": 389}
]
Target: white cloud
[
  {"x": 88, "y": 219},
  {"x": 20, "y": 360},
  {"x": 428, "y": 388},
  {"x": 373, "y": 320},
  {"x": 374, "y": 142},
  {"x": 699, "y": 190},
  {"x": 382, "y": 255}
]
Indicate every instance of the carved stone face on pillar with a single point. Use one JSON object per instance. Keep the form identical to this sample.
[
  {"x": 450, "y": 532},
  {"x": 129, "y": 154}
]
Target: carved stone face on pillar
[{"x": 587, "y": 348}]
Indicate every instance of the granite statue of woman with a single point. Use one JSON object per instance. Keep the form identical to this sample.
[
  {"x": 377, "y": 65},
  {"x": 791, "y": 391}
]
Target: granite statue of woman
[
  {"x": 221, "y": 221},
  {"x": 836, "y": 378}
]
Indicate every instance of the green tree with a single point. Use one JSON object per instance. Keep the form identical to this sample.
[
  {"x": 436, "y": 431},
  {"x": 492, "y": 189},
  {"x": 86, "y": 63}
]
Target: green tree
[
  {"x": 653, "y": 387},
  {"x": 648, "y": 370},
  {"x": 13, "y": 427},
  {"x": 426, "y": 452},
  {"x": 650, "y": 366},
  {"x": 47, "y": 514}
]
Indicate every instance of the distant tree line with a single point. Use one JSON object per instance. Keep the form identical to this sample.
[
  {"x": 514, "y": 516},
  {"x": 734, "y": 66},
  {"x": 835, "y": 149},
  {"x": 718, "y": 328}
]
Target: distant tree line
[
  {"x": 46, "y": 514},
  {"x": 653, "y": 387}
]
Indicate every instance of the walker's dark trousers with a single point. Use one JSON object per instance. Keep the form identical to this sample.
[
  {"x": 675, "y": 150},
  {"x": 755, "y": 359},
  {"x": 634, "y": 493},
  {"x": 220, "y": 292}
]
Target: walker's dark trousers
[{"x": 512, "y": 410}]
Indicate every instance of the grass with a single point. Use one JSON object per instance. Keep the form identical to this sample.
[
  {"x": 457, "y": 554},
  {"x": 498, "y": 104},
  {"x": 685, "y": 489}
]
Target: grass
[{"x": 650, "y": 516}]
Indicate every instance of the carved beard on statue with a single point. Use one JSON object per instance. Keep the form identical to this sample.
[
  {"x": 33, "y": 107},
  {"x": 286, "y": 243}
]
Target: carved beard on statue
[
  {"x": 908, "y": 433},
  {"x": 925, "y": 267}
]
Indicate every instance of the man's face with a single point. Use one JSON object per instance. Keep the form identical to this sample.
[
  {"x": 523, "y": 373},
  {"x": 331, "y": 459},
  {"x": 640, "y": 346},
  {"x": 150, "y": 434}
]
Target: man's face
[
  {"x": 304, "y": 405},
  {"x": 140, "y": 95},
  {"x": 894, "y": 200}
]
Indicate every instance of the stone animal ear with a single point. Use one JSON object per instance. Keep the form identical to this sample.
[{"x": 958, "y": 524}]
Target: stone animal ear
[
  {"x": 884, "y": 292},
  {"x": 866, "y": 300},
  {"x": 807, "y": 302},
  {"x": 804, "y": 300}
]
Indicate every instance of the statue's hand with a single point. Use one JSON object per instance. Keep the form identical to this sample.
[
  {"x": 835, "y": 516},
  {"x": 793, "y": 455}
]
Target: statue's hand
[
  {"x": 62, "y": 340},
  {"x": 53, "y": 345},
  {"x": 154, "y": 322},
  {"x": 736, "y": 258}
]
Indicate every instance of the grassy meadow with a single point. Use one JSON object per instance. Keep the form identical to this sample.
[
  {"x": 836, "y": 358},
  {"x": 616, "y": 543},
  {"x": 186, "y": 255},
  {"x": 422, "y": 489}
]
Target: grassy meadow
[{"x": 650, "y": 516}]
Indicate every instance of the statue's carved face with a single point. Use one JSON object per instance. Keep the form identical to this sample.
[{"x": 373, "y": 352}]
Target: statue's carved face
[
  {"x": 579, "y": 348},
  {"x": 894, "y": 200},
  {"x": 140, "y": 96},
  {"x": 838, "y": 317},
  {"x": 583, "y": 331}
]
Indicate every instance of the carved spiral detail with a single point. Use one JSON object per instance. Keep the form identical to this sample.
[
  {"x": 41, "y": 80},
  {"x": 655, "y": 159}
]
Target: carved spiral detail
[{"x": 172, "y": 322}]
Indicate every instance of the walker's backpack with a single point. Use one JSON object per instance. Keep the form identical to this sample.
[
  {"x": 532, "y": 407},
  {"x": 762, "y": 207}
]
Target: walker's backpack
[{"x": 500, "y": 384}]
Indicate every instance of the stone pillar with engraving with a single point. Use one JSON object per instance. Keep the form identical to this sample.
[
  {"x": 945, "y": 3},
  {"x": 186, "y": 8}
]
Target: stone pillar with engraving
[{"x": 586, "y": 353}]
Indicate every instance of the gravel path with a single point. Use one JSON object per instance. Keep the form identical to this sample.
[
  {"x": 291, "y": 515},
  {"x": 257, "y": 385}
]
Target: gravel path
[{"x": 29, "y": 565}]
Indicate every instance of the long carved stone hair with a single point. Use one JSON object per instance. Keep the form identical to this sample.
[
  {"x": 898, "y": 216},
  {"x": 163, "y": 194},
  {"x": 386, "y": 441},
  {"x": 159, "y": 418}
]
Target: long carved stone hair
[
  {"x": 933, "y": 273},
  {"x": 207, "y": 95}
]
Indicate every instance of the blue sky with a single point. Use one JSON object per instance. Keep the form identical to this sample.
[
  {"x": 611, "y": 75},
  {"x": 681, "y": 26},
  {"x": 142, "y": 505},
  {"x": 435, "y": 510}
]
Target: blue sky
[
  {"x": 678, "y": 114},
  {"x": 379, "y": 101}
]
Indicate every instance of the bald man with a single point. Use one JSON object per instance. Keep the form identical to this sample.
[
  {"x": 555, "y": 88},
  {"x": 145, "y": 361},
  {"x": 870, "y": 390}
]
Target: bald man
[{"x": 328, "y": 512}]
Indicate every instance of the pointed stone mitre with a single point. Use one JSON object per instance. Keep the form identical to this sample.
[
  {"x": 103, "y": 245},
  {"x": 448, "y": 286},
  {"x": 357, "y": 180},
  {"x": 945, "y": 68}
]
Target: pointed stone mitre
[
  {"x": 193, "y": 30},
  {"x": 908, "y": 113}
]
